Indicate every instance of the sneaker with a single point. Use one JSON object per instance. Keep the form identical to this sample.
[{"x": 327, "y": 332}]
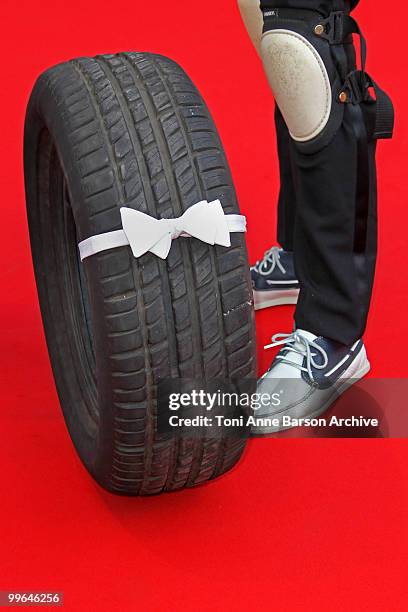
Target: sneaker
[
  {"x": 273, "y": 279},
  {"x": 305, "y": 378}
]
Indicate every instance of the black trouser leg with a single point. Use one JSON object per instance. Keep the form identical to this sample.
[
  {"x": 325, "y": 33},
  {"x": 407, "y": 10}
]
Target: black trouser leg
[
  {"x": 335, "y": 237},
  {"x": 287, "y": 192}
]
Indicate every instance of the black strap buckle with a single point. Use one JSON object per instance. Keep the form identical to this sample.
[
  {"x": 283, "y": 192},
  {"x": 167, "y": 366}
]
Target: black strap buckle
[
  {"x": 357, "y": 86},
  {"x": 333, "y": 28}
]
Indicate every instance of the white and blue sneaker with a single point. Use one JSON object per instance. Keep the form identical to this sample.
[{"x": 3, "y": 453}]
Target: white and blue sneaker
[
  {"x": 273, "y": 279},
  {"x": 308, "y": 374}
]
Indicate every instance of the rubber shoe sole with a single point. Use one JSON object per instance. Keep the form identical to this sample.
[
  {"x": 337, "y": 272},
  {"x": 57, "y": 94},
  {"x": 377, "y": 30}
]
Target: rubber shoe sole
[{"x": 281, "y": 297}]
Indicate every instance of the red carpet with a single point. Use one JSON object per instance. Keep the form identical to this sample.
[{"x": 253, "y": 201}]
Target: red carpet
[{"x": 300, "y": 524}]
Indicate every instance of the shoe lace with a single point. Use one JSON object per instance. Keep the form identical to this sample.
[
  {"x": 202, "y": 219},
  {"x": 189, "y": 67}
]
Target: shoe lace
[
  {"x": 269, "y": 262},
  {"x": 297, "y": 343}
]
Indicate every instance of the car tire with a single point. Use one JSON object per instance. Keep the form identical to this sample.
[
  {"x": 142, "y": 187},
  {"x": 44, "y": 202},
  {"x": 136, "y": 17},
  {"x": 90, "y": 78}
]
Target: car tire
[{"x": 131, "y": 129}]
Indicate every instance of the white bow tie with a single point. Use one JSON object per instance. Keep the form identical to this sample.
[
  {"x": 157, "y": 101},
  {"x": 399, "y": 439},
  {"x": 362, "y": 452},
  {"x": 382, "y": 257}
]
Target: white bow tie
[{"x": 205, "y": 221}]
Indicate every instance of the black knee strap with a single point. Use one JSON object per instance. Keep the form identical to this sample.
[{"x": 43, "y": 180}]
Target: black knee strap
[{"x": 336, "y": 29}]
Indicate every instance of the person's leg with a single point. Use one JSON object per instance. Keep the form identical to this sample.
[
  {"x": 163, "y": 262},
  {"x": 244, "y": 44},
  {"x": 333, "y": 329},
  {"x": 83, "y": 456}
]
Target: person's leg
[
  {"x": 333, "y": 122},
  {"x": 253, "y": 19},
  {"x": 273, "y": 277},
  {"x": 333, "y": 155}
]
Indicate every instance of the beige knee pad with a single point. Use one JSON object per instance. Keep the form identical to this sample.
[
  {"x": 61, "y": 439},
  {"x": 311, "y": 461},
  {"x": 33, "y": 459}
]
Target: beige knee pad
[
  {"x": 253, "y": 20},
  {"x": 296, "y": 73},
  {"x": 299, "y": 81}
]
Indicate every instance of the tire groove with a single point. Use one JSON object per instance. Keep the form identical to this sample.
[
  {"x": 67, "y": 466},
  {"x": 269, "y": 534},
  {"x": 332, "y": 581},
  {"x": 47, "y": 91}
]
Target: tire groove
[
  {"x": 177, "y": 197},
  {"x": 136, "y": 274},
  {"x": 195, "y": 470},
  {"x": 139, "y": 154}
]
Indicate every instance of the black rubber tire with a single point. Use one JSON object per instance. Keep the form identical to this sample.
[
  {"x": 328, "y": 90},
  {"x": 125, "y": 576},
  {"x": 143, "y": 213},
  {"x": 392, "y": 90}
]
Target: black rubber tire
[{"x": 131, "y": 129}]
